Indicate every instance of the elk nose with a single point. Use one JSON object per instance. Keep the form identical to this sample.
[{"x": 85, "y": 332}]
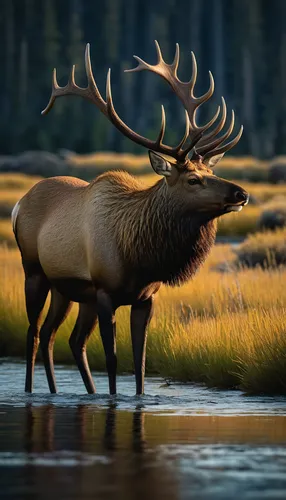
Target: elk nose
[{"x": 241, "y": 196}]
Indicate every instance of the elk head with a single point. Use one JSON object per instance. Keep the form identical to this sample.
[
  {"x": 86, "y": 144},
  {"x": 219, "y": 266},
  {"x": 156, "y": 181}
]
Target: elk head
[{"x": 189, "y": 176}]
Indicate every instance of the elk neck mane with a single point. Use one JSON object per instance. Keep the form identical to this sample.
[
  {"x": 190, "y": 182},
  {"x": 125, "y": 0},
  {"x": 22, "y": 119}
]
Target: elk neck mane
[{"x": 155, "y": 235}]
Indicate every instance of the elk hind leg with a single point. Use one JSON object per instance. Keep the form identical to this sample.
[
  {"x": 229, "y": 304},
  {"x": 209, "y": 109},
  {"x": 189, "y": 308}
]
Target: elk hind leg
[
  {"x": 85, "y": 323},
  {"x": 36, "y": 291},
  {"x": 58, "y": 311}
]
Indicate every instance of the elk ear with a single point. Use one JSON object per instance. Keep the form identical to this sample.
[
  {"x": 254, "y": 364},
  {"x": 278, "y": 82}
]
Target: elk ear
[
  {"x": 211, "y": 162},
  {"x": 159, "y": 164}
]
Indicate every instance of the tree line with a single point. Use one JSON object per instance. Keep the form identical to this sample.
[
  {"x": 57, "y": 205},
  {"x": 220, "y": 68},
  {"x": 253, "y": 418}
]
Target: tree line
[{"x": 242, "y": 42}]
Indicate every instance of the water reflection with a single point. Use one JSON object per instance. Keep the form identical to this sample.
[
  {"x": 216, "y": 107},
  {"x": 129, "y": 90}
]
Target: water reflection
[
  {"x": 88, "y": 452},
  {"x": 84, "y": 426}
]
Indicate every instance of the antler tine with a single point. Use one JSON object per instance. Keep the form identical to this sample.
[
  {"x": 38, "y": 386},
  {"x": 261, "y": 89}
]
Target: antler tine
[
  {"x": 90, "y": 92},
  {"x": 193, "y": 79},
  {"x": 159, "y": 53},
  {"x": 184, "y": 90},
  {"x": 206, "y": 138},
  {"x": 198, "y": 129},
  {"x": 184, "y": 153},
  {"x": 128, "y": 132},
  {"x": 55, "y": 87},
  {"x": 186, "y": 134},
  {"x": 163, "y": 126},
  {"x": 175, "y": 63},
  {"x": 96, "y": 96},
  {"x": 202, "y": 150},
  {"x": 225, "y": 147}
]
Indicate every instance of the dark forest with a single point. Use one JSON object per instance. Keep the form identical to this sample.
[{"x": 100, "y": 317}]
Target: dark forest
[{"x": 242, "y": 42}]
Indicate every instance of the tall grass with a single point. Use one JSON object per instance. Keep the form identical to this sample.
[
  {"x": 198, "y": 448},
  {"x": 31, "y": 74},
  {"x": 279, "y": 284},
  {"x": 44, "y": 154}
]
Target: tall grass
[
  {"x": 234, "y": 336},
  {"x": 6, "y": 233},
  {"x": 265, "y": 249}
]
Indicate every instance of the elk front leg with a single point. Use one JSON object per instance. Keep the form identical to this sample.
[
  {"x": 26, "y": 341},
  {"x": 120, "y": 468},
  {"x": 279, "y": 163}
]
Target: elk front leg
[
  {"x": 107, "y": 326},
  {"x": 141, "y": 314}
]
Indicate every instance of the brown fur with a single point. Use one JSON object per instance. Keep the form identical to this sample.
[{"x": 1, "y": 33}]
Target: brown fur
[{"x": 145, "y": 220}]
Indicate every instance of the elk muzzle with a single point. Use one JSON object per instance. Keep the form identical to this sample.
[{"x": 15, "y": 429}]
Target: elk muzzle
[{"x": 236, "y": 198}]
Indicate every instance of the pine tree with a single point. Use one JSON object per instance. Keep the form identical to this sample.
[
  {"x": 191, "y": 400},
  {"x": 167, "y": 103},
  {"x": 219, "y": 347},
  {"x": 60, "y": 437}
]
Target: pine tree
[{"x": 243, "y": 42}]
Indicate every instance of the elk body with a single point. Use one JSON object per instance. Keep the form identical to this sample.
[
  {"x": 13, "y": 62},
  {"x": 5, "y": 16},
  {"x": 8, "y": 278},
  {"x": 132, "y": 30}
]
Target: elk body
[{"x": 114, "y": 242}]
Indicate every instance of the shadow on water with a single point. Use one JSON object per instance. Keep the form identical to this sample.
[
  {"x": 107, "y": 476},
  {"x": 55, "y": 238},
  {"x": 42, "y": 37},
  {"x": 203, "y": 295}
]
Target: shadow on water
[{"x": 73, "y": 446}]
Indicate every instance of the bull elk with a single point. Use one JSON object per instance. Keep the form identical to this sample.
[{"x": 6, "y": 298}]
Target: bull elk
[{"x": 114, "y": 241}]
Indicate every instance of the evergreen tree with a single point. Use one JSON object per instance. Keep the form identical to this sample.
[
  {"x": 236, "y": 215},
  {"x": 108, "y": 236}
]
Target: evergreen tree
[{"x": 243, "y": 43}]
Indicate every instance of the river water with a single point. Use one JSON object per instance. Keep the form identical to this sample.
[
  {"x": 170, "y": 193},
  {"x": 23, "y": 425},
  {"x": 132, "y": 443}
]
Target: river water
[{"x": 176, "y": 442}]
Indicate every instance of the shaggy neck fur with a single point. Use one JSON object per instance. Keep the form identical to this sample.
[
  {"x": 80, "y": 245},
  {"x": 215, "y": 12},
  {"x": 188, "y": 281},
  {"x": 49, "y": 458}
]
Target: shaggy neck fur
[{"x": 158, "y": 239}]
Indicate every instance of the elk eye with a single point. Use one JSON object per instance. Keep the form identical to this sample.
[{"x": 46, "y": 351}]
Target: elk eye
[{"x": 193, "y": 180}]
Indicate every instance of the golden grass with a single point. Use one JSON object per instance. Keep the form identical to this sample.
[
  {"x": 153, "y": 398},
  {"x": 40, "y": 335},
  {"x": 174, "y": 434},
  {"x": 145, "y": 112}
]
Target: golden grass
[
  {"x": 239, "y": 223},
  {"x": 8, "y": 200},
  {"x": 106, "y": 159},
  {"x": 237, "y": 167},
  {"x": 266, "y": 249},
  {"x": 6, "y": 233},
  {"x": 17, "y": 181},
  {"x": 235, "y": 334},
  {"x": 139, "y": 160},
  {"x": 263, "y": 191},
  {"x": 12, "y": 187}
]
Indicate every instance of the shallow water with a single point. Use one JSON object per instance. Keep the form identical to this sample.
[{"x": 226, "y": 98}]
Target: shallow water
[{"x": 177, "y": 442}]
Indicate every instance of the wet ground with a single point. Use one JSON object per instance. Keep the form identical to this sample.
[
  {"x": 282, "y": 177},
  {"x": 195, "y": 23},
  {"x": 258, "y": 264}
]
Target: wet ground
[{"x": 177, "y": 442}]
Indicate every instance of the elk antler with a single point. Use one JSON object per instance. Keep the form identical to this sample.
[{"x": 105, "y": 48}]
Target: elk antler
[
  {"x": 92, "y": 93},
  {"x": 184, "y": 90},
  {"x": 205, "y": 147}
]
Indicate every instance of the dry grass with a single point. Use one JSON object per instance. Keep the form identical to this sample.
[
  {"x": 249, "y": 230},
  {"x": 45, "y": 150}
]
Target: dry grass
[
  {"x": 12, "y": 188},
  {"x": 15, "y": 181},
  {"x": 266, "y": 249},
  {"x": 239, "y": 223},
  {"x": 247, "y": 168},
  {"x": 264, "y": 192},
  {"x": 6, "y": 233},
  {"x": 7, "y": 201},
  {"x": 235, "y": 336},
  {"x": 240, "y": 168},
  {"x": 88, "y": 166},
  {"x": 139, "y": 160},
  {"x": 273, "y": 215}
]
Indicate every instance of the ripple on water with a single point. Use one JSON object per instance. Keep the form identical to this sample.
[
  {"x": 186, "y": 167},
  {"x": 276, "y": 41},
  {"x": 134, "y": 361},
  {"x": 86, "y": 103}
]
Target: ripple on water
[{"x": 183, "y": 399}]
